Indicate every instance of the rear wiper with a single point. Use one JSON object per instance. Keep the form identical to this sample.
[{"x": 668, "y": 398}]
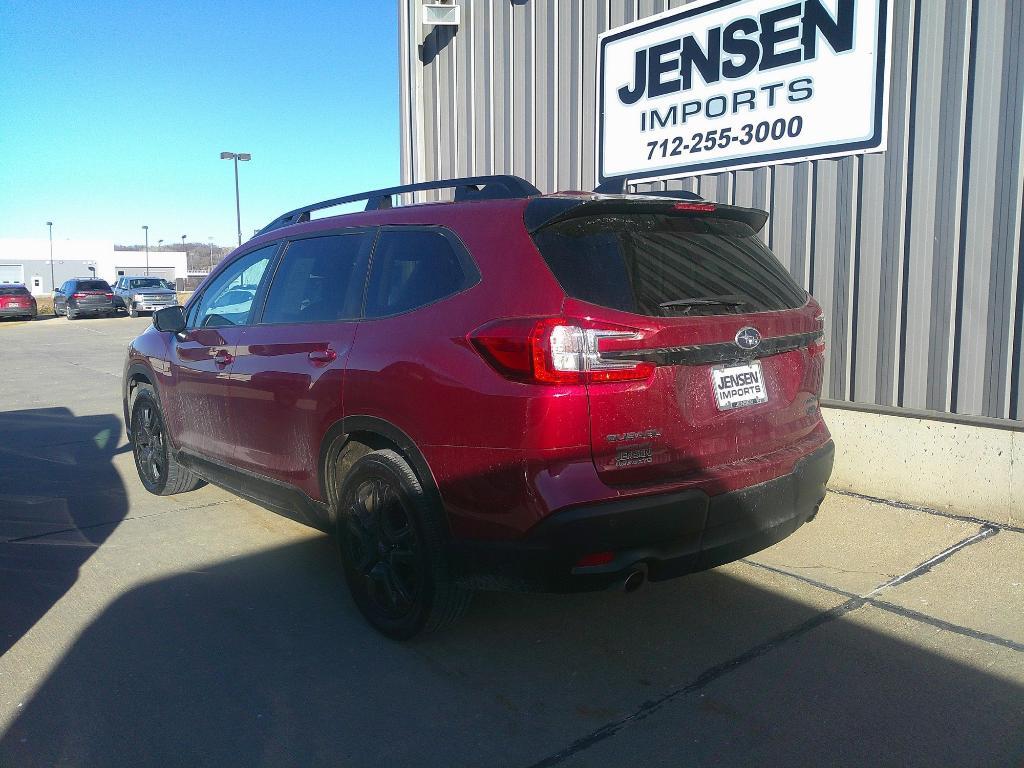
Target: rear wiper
[{"x": 688, "y": 304}]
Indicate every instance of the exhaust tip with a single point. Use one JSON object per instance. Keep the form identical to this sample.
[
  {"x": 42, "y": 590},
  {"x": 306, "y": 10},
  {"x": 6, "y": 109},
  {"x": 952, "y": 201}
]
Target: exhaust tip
[{"x": 633, "y": 581}]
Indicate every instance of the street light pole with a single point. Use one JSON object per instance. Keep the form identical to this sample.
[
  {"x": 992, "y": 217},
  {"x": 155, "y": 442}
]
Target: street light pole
[
  {"x": 53, "y": 282},
  {"x": 145, "y": 228},
  {"x": 236, "y": 156}
]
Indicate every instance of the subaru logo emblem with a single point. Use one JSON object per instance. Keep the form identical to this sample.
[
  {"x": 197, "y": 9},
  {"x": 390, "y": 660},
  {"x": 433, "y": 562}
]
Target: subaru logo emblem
[{"x": 748, "y": 338}]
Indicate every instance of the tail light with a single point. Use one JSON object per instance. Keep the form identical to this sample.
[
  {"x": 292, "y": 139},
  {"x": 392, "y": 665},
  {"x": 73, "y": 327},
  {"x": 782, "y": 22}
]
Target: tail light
[
  {"x": 109, "y": 295},
  {"x": 556, "y": 351},
  {"x": 79, "y": 295}
]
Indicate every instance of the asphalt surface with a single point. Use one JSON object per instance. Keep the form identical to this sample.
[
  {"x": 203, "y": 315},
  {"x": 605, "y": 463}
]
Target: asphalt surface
[{"x": 201, "y": 630}]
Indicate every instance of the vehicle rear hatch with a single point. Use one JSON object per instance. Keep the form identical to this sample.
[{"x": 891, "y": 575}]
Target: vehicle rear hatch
[
  {"x": 14, "y": 297},
  {"x": 726, "y": 345},
  {"x": 93, "y": 293}
]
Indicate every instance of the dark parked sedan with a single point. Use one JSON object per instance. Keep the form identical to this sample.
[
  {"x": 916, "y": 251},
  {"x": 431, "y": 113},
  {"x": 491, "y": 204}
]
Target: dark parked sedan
[
  {"x": 17, "y": 302},
  {"x": 84, "y": 296}
]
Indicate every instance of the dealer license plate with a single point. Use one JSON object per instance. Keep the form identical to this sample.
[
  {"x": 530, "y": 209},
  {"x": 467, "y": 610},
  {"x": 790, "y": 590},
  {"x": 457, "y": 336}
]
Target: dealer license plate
[{"x": 738, "y": 385}]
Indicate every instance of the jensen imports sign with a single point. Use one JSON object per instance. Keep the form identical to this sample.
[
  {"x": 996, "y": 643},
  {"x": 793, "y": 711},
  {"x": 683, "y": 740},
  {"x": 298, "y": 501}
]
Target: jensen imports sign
[{"x": 740, "y": 83}]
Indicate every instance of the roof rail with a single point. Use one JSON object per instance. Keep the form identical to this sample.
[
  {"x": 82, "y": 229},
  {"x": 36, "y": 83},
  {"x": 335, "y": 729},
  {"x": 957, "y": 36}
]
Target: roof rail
[
  {"x": 469, "y": 188},
  {"x": 616, "y": 185}
]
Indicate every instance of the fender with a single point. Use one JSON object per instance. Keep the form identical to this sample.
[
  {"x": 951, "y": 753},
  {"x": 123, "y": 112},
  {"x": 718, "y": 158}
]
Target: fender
[{"x": 130, "y": 372}]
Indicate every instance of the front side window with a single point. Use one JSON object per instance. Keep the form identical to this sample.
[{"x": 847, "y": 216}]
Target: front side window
[
  {"x": 320, "y": 280},
  {"x": 413, "y": 268},
  {"x": 229, "y": 298}
]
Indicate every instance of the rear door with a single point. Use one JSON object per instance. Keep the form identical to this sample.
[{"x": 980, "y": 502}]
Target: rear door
[
  {"x": 201, "y": 357},
  {"x": 735, "y": 342},
  {"x": 286, "y": 380}
]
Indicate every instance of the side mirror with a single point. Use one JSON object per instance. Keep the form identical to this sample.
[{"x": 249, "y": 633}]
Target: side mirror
[{"x": 169, "y": 319}]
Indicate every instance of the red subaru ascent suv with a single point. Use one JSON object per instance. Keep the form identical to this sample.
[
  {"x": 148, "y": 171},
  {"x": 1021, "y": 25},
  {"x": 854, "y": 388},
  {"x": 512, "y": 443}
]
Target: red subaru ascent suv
[{"x": 507, "y": 390}]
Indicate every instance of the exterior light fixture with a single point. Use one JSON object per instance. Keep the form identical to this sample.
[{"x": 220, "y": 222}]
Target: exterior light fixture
[{"x": 441, "y": 14}]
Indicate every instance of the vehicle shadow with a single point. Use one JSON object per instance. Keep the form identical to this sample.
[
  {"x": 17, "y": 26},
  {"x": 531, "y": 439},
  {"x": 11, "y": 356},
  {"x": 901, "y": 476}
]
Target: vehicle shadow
[
  {"x": 264, "y": 661},
  {"x": 60, "y": 498}
]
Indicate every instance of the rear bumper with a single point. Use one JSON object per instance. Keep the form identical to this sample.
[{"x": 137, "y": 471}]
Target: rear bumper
[
  {"x": 18, "y": 311},
  {"x": 93, "y": 309},
  {"x": 668, "y": 534}
]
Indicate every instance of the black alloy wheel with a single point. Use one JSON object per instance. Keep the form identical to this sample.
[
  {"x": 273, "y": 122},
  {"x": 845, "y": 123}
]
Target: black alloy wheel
[
  {"x": 384, "y": 550},
  {"x": 150, "y": 445},
  {"x": 391, "y": 535}
]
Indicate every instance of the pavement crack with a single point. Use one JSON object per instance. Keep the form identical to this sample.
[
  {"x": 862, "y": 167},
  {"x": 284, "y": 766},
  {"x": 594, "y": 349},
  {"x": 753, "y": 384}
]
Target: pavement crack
[
  {"x": 946, "y": 625},
  {"x": 707, "y": 677},
  {"x": 82, "y": 528},
  {"x": 928, "y": 510},
  {"x": 987, "y": 531}
]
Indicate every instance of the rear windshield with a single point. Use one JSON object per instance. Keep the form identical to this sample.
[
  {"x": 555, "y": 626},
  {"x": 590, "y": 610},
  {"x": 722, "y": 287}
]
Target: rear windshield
[
  {"x": 92, "y": 285},
  {"x": 13, "y": 290},
  {"x": 667, "y": 266}
]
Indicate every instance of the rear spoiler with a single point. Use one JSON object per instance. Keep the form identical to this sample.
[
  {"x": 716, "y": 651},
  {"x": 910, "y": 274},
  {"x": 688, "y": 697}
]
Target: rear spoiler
[{"x": 544, "y": 211}]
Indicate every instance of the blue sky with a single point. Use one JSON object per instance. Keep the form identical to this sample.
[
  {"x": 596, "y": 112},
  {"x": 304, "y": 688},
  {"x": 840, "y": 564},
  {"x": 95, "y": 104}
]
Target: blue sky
[{"x": 113, "y": 115}]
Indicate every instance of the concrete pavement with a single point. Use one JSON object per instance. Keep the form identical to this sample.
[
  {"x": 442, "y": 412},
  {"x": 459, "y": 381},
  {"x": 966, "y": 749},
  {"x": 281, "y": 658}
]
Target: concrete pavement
[{"x": 203, "y": 630}]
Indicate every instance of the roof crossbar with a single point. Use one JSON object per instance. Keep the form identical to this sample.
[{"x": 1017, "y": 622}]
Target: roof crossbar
[
  {"x": 470, "y": 188},
  {"x": 616, "y": 185}
]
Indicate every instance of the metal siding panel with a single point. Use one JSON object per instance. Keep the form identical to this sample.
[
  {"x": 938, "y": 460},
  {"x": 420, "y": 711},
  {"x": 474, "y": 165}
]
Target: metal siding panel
[
  {"x": 1006, "y": 214},
  {"x": 946, "y": 238},
  {"x": 595, "y": 21},
  {"x": 824, "y": 279},
  {"x": 928, "y": 116},
  {"x": 464, "y": 103},
  {"x": 503, "y": 68},
  {"x": 546, "y": 118},
  {"x": 405, "y": 106},
  {"x": 524, "y": 93},
  {"x": 894, "y": 206},
  {"x": 973, "y": 373},
  {"x": 867, "y": 310},
  {"x": 566, "y": 14},
  {"x": 477, "y": 26}
]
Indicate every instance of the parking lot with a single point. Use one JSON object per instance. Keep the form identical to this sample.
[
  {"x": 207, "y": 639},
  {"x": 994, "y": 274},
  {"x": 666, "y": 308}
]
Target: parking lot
[{"x": 203, "y": 630}]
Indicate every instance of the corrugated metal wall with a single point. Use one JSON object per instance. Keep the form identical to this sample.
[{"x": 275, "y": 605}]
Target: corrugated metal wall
[{"x": 915, "y": 253}]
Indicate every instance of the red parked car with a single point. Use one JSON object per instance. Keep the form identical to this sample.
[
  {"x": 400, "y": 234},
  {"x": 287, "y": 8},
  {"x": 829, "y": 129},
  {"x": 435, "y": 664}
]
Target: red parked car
[
  {"x": 563, "y": 392},
  {"x": 16, "y": 301}
]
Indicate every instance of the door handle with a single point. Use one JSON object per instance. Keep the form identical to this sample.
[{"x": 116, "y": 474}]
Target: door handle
[
  {"x": 323, "y": 356},
  {"x": 223, "y": 358}
]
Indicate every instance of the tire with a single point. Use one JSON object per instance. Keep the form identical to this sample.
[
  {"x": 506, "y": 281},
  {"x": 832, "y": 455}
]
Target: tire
[
  {"x": 391, "y": 535},
  {"x": 132, "y": 312},
  {"x": 158, "y": 470},
  {"x": 68, "y": 313}
]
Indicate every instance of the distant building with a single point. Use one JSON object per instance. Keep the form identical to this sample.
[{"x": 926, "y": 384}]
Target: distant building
[{"x": 27, "y": 261}]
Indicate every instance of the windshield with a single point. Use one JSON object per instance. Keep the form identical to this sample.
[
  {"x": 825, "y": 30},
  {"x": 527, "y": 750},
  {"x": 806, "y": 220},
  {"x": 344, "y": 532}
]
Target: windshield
[
  {"x": 663, "y": 265},
  {"x": 147, "y": 282}
]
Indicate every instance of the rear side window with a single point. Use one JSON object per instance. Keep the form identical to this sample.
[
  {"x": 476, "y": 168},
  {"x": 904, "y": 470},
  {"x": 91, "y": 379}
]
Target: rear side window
[
  {"x": 667, "y": 266},
  {"x": 413, "y": 268},
  {"x": 92, "y": 285},
  {"x": 320, "y": 280}
]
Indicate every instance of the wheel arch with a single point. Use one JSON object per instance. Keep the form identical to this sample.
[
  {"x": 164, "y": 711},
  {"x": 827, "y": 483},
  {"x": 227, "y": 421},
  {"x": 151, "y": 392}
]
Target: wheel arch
[
  {"x": 374, "y": 433},
  {"x": 134, "y": 375}
]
